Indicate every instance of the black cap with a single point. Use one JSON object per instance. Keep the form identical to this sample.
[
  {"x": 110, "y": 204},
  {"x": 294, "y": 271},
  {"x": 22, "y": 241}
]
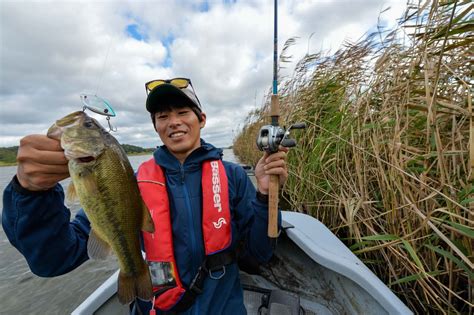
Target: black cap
[{"x": 166, "y": 94}]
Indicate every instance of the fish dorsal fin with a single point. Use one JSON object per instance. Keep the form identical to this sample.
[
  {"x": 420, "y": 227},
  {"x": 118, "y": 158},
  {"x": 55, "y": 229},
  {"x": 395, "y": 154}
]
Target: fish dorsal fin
[
  {"x": 71, "y": 194},
  {"x": 97, "y": 248},
  {"x": 147, "y": 221}
]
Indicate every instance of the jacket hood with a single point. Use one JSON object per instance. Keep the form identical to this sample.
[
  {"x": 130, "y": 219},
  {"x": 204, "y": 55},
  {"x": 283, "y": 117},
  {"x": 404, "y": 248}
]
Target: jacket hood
[{"x": 206, "y": 151}]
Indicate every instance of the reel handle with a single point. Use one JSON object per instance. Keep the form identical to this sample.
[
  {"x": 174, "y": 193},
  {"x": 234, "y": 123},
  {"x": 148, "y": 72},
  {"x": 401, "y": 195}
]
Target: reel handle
[
  {"x": 289, "y": 143},
  {"x": 300, "y": 125}
]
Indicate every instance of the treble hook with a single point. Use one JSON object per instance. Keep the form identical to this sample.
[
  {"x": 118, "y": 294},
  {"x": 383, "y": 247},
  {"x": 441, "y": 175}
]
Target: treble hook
[{"x": 111, "y": 128}]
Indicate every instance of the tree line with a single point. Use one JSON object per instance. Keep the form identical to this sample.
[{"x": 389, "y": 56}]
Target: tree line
[{"x": 8, "y": 154}]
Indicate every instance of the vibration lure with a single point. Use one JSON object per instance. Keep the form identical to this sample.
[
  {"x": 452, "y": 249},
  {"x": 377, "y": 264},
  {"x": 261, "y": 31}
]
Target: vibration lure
[{"x": 99, "y": 106}]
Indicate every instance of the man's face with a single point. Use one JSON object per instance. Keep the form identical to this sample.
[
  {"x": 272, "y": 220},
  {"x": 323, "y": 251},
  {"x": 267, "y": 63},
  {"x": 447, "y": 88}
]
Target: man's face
[{"x": 180, "y": 130}]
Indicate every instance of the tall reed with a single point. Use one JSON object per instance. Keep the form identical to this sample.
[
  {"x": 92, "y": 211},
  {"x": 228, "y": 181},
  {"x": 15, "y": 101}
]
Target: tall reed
[{"x": 387, "y": 160}]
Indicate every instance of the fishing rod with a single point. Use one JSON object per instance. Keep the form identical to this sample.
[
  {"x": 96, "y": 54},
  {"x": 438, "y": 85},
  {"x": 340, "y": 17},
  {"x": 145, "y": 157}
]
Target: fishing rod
[{"x": 270, "y": 137}]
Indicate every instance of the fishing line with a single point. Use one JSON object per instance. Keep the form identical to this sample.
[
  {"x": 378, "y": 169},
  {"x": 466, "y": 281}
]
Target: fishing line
[
  {"x": 97, "y": 104},
  {"x": 103, "y": 66}
]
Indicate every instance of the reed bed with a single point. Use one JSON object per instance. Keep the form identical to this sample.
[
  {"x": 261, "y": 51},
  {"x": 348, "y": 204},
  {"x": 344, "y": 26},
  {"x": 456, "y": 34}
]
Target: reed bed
[{"x": 387, "y": 159}]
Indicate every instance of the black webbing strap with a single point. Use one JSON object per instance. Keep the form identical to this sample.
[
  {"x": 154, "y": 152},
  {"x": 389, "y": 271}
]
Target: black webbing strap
[
  {"x": 217, "y": 261},
  {"x": 212, "y": 264}
]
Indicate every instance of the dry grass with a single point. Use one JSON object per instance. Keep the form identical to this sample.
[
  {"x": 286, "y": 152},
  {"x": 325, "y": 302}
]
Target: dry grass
[{"x": 387, "y": 160}]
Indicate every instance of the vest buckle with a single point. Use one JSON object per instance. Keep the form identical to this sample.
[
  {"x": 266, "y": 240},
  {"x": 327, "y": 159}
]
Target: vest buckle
[{"x": 220, "y": 275}]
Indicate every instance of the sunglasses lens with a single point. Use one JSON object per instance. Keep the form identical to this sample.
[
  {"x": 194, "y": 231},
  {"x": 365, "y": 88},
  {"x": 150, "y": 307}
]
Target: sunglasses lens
[
  {"x": 153, "y": 84},
  {"x": 180, "y": 83}
]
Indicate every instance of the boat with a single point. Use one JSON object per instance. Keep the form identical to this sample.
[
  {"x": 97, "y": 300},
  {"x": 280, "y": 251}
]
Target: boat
[{"x": 312, "y": 272}]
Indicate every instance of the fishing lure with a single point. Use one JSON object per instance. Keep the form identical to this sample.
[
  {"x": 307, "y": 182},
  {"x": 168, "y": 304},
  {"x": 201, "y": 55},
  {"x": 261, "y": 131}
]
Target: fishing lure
[{"x": 99, "y": 106}]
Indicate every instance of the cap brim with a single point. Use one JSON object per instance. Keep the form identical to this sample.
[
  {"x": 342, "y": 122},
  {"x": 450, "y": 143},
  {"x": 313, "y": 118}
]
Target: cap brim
[{"x": 166, "y": 94}]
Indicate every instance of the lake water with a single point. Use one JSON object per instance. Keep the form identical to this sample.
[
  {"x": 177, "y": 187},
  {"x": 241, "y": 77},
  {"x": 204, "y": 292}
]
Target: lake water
[{"x": 22, "y": 292}]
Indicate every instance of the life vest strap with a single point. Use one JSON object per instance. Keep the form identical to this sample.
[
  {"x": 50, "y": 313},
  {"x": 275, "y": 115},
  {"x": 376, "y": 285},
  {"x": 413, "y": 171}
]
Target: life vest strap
[
  {"x": 216, "y": 261},
  {"x": 211, "y": 263}
]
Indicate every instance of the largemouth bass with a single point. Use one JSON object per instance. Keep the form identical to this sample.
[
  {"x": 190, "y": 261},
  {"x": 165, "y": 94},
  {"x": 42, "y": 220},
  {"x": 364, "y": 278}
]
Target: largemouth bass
[{"x": 104, "y": 182}]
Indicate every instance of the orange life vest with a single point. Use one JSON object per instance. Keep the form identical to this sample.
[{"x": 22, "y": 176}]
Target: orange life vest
[{"x": 216, "y": 227}]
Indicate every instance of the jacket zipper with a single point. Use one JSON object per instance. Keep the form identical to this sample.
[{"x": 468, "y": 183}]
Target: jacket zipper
[{"x": 192, "y": 231}]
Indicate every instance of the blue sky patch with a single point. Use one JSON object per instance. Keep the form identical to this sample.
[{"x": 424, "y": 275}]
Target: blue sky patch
[
  {"x": 134, "y": 31},
  {"x": 203, "y": 6},
  {"x": 167, "y": 42}
]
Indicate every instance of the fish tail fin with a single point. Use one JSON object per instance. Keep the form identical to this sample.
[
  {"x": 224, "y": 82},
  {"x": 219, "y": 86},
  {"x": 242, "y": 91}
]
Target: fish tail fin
[
  {"x": 130, "y": 287},
  {"x": 143, "y": 284},
  {"x": 126, "y": 288}
]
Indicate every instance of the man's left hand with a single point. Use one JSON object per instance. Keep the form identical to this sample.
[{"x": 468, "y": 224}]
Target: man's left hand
[{"x": 271, "y": 164}]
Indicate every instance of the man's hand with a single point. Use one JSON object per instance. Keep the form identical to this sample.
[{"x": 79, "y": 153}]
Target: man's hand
[
  {"x": 271, "y": 164},
  {"x": 41, "y": 163}
]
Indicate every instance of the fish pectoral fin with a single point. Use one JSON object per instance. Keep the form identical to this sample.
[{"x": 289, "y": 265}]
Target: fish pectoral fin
[
  {"x": 90, "y": 184},
  {"x": 147, "y": 221},
  {"x": 71, "y": 194},
  {"x": 97, "y": 248}
]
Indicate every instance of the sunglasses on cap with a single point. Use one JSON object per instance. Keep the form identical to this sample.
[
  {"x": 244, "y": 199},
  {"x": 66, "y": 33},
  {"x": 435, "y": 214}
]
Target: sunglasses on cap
[{"x": 181, "y": 83}]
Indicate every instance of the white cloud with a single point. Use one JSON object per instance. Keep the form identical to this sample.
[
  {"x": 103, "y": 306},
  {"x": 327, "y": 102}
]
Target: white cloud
[{"x": 54, "y": 50}]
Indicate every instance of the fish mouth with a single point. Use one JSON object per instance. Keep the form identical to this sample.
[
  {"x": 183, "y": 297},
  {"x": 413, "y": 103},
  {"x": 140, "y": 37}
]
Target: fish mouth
[
  {"x": 85, "y": 159},
  {"x": 79, "y": 158}
]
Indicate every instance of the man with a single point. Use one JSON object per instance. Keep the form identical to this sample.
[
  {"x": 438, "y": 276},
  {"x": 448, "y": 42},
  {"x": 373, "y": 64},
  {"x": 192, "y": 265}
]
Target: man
[{"x": 211, "y": 204}]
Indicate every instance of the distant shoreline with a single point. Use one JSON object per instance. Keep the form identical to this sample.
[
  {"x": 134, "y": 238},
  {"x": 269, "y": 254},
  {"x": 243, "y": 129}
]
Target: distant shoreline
[
  {"x": 4, "y": 164},
  {"x": 7, "y": 164},
  {"x": 141, "y": 153}
]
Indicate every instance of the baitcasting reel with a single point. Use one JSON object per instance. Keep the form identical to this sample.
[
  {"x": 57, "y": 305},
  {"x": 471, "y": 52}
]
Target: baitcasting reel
[{"x": 270, "y": 137}]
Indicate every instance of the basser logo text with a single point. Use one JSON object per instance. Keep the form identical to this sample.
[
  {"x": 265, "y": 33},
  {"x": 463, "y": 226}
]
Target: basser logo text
[
  {"x": 216, "y": 186},
  {"x": 216, "y": 190}
]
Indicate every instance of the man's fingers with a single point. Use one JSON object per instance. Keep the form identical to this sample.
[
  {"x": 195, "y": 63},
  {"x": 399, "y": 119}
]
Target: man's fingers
[
  {"x": 41, "y": 142},
  {"x": 275, "y": 164},
  {"x": 41, "y": 162},
  {"x": 284, "y": 149},
  {"x": 276, "y": 171},
  {"x": 44, "y": 151},
  {"x": 32, "y": 169},
  {"x": 51, "y": 157},
  {"x": 275, "y": 157},
  {"x": 40, "y": 181},
  {"x": 46, "y": 182}
]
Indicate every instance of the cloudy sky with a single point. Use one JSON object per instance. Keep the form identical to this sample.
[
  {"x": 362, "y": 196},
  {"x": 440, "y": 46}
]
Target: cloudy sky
[{"x": 52, "y": 51}]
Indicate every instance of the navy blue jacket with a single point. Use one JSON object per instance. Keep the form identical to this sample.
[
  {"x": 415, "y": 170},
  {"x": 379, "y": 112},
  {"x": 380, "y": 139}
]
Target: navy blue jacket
[{"x": 38, "y": 225}]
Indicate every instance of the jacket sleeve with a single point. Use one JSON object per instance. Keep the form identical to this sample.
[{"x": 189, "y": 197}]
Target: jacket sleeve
[
  {"x": 250, "y": 216},
  {"x": 38, "y": 225}
]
